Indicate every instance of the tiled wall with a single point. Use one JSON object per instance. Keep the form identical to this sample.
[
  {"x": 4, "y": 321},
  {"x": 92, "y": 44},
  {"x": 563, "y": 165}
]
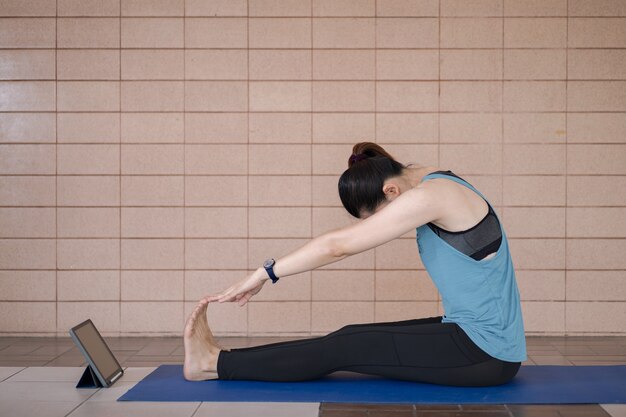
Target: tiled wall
[{"x": 154, "y": 151}]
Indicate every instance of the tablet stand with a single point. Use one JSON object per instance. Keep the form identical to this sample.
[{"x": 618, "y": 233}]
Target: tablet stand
[{"x": 89, "y": 379}]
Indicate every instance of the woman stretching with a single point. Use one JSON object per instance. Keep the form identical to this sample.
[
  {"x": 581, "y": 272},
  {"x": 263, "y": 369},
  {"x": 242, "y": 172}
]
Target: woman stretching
[{"x": 478, "y": 342}]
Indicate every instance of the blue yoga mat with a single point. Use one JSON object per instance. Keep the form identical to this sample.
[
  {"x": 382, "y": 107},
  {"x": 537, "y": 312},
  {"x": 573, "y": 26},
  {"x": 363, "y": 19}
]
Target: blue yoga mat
[{"x": 532, "y": 385}]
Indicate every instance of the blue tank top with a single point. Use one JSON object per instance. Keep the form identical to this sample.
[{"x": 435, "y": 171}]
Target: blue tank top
[{"x": 480, "y": 296}]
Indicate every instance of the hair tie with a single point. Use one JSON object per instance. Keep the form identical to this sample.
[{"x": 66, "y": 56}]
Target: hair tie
[{"x": 358, "y": 157}]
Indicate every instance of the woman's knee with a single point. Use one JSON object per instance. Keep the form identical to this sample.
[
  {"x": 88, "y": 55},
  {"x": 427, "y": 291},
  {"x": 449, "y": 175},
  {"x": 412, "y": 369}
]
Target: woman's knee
[
  {"x": 486, "y": 374},
  {"x": 509, "y": 370},
  {"x": 500, "y": 373}
]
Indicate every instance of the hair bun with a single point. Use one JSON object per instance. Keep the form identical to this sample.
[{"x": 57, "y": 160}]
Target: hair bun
[
  {"x": 365, "y": 150},
  {"x": 356, "y": 158}
]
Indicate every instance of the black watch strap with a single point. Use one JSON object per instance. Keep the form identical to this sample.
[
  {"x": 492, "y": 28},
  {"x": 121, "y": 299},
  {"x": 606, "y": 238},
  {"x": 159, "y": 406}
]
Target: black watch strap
[{"x": 269, "y": 267}]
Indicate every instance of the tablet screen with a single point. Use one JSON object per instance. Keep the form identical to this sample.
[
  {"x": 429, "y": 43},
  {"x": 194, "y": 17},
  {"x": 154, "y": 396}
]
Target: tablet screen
[{"x": 97, "y": 349}]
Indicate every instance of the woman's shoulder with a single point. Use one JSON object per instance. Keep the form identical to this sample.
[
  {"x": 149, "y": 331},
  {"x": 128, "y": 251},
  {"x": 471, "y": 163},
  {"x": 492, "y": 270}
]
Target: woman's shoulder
[{"x": 447, "y": 186}]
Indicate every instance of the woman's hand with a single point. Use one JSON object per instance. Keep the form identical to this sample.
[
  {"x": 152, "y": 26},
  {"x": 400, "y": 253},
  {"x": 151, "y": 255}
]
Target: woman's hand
[{"x": 241, "y": 291}]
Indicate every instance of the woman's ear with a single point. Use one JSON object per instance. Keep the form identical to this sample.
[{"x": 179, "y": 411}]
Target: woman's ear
[{"x": 391, "y": 190}]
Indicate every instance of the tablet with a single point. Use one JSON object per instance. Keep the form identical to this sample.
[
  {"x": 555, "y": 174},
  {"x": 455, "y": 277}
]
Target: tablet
[{"x": 97, "y": 353}]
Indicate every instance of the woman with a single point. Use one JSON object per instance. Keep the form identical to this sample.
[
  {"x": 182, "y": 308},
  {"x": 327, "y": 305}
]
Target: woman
[{"x": 478, "y": 342}]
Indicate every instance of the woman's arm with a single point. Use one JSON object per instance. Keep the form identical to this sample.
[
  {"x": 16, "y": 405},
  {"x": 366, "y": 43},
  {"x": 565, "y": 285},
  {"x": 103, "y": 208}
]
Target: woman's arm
[{"x": 409, "y": 210}]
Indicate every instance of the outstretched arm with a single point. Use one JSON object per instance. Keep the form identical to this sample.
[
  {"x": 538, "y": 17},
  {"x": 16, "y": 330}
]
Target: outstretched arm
[{"x": 409, "y": 210}]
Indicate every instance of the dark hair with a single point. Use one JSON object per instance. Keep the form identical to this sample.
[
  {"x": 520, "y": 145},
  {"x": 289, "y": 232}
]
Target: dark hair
[{"x": 361, "y": 185}]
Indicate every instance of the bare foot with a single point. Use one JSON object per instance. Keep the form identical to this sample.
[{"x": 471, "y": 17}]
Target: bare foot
[
  {"x": 205, "y": 325},
  {"x": 201, "y": 351}
]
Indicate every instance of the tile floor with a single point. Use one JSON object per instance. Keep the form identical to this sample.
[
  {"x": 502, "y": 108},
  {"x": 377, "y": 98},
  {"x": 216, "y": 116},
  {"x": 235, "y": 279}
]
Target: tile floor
[{"x": 38, "y": 378}]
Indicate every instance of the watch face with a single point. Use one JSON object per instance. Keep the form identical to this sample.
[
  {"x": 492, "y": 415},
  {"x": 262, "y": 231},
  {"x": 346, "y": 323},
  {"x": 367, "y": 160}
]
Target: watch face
[{"x": 268, "y": 263}]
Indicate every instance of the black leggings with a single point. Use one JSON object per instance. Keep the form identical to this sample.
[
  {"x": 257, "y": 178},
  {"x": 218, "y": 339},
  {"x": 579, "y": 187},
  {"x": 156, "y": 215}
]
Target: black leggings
[{"x": 423, "y": 350}]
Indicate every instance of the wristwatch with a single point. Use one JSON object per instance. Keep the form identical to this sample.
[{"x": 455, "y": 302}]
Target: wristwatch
[{"x": 269, "y": 267}]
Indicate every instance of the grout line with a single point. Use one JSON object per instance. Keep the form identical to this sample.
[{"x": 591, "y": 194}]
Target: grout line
[
  {"x": 299, "y": 144},
  {"x": 565, "y": 267},
  {"x": 260, "y": 17},
  {"x": 184, "y": 115},
  {"x": 197, "y": 408},
  {"x": 269, "y": 207},
  {"x": 271, "y": 175},
  {"x": 317, "y": 112},
  {"x": 120, "y": 167},
  {"x": 439, "y": 86},
  {"x": 559, "y": 300},
  {"x": 311, "y": 173},
  {"x": 502, "y": 119},
  {"x": 82, "y": 402},
  {"x": 439, "y": 298},
  {"x": 216, "y": 48},
  {"x": 547, "y": 238},
  {"x": 301, "y": 80},
  {"x": 248, "y": 159},
  {"x": 554, "y": 269},
  {"x": 56, "y": 172},
  {"x": 375, "y": 129}
]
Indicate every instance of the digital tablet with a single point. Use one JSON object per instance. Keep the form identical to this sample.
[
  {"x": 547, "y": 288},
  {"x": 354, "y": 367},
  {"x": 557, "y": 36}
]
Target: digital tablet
[{"x": 97, "y": 353}]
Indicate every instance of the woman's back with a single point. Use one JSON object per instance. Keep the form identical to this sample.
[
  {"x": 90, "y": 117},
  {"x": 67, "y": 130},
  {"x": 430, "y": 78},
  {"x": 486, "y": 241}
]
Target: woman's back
[
  {"x": 482, "y": 239},
  {"x": 481, "y": 296}
]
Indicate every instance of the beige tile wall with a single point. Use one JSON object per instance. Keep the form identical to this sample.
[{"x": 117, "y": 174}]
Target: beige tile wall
[{"x": 153, "y": 152}]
